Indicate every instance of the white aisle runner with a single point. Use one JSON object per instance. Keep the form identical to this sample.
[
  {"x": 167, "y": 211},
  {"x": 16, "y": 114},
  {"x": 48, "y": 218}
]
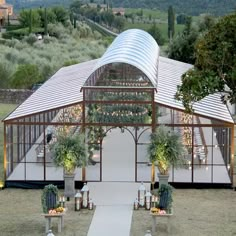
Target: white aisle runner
[
  {"x": 114, "y": 207},
  {"x": 111, "y": 220}
]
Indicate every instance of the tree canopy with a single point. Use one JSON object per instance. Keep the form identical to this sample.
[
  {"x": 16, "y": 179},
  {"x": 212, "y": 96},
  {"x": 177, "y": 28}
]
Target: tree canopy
[
  {"x": 215, "y": 66},
  {"x": 156, "y": 34}
]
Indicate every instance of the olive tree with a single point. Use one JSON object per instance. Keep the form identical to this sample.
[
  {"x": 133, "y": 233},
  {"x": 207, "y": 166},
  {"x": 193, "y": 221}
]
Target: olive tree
[{"x": 215, "y": 65}]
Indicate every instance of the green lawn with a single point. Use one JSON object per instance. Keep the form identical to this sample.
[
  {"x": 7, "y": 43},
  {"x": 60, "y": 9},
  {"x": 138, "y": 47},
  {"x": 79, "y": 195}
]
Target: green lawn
[
  {"x": 5, "y": 109},
  {"x": 155, "y": 14},
  {"x": 145, "y": 26}
]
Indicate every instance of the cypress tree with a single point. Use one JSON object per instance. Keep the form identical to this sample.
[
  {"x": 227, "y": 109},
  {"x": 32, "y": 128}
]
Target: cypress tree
[
  {"x": 74, "y": 22},
  {"x": 45, "y": 22},
  {"x": 8, "y": 19},
  {"x": 171, "y": 22},
  {"x": 30, "y": 21}
]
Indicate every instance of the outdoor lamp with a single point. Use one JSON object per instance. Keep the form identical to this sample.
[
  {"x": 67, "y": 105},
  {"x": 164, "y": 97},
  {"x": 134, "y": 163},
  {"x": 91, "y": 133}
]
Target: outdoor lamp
[
  {"x": 85, "y": 195},
  {"x": 78, "y": 201},
  {"x": 141, "y": 195},
  {"x": 62, "y": 201},
  {"x": 50, "y": 233},
  {"x": 154, "y": 200},
  {"x": 90, "y": 204},
  {"x": 148, "y": 233},
  {"x": 148, "y": 198},
  {"x": 136, "y": 204},
  {"x": 1, "y": 184}
]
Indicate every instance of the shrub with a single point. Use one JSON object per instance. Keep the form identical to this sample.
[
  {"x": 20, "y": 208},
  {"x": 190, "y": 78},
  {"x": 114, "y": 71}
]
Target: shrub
[
  {"x": 31, "y": 39},
  {"x": 25, "y": 76}
]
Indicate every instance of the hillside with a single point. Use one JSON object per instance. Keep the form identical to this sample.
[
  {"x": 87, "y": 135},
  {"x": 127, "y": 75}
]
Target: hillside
[{"x": 190, "y": 7}]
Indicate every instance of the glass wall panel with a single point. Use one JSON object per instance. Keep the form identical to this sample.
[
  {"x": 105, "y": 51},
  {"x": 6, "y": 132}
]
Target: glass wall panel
[
  {"x": 181, "y": 175},
  {"x": 143, "y": 135},
  {"x": 69, "y": 114},
  {"x": 92, "y": 172},
  {"x": 34, "y": 172},
  {"x": 203, "y": 136},
  {"x": 142, "y": 154},
  {"x": 202, "y": 173},
  {"x": 54, "y": 173},
  {"x": 144, "y": 172},
  {"x": 221, "y": 174},
  {"x": 165, "y": 115}
]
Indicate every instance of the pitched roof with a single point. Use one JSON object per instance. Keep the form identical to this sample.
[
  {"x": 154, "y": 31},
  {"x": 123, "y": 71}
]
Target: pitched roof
[{"x": 135, "y": 47}]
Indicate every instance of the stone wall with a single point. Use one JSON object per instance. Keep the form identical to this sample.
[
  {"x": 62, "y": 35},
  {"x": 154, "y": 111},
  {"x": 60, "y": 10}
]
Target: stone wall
[{"x": 14, "y": 96}]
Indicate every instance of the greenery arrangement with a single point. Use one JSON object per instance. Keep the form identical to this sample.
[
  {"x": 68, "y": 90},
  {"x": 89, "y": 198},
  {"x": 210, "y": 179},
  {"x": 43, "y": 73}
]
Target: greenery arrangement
[
  {"x": 69, "y": 152},
  {"x": 47, "y": 201},
  {"x": 165, "y": 197},
  {"x": 166, "y": 149},
  {"x": 94, "y": 135}
]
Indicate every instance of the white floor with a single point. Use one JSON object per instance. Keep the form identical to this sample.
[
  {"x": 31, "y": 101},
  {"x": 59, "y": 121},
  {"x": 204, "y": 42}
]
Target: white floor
[{"x": 111, "y": 220}]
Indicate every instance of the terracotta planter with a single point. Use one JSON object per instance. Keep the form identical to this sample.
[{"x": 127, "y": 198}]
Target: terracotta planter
[
  {"x": 163, "y": 179},
  {"x": 69, "y": 185}
]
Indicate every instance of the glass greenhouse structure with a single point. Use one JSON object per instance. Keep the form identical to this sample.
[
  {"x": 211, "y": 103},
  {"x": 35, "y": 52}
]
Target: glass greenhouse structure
[{"x": 118, "y": 101}]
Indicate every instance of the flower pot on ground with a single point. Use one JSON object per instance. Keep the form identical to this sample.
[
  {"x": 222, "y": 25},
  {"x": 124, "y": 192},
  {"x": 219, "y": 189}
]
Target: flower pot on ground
[
  {"x": 166, "y": 150},
  {"x": 69, "y": 152}
]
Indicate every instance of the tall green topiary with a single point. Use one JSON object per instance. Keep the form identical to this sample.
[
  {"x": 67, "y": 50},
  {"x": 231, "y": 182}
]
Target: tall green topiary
[
  {"x": 165, "y": 197},
  {"x": 49, "y": 197}
]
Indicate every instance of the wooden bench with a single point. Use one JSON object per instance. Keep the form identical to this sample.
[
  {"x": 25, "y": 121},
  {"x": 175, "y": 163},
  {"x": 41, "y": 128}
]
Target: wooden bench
[
  {"x": 154, "y": 220},
  {"x": 48, "y": 218}
]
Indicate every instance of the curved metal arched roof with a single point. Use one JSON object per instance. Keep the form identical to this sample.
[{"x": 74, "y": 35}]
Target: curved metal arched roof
[{"x": 134, "y": 47}]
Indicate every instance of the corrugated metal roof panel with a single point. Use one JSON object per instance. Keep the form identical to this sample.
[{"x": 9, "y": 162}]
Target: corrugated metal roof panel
[
  {"x": 169, "y": 76},
  {"x": 134, "y": 47},
  {"x": 63, "y": 89}
]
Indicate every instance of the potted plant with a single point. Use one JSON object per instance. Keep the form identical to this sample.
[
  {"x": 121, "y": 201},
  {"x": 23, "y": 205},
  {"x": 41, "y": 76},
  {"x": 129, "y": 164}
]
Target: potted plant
[
  {"x": 69, "y": 152},
  {"x": 165, "y": 149}
]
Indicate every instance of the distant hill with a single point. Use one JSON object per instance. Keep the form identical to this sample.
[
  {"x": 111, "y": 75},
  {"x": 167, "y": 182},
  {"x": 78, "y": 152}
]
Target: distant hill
[
  {"x": 190, "y": 7},
  {"x": 21, "y": 4}
]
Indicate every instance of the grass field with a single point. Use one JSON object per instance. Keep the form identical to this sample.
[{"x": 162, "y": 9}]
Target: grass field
[
  {"x": 21, "y": 215},
  {"x": 161, "y": 26},
  {"x": 197, "y": 212},
  {"x": 155, "y": 14},
  {"x": 4, "y": 110}
]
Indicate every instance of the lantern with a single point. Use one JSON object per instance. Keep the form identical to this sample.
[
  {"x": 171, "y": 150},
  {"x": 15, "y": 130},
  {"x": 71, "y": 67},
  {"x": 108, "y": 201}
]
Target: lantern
[
  {"x": 154, "y": 201},
  {"x": 78, "y": 201},
  {"x": 90, "y": 204},
  {"x": 1, "y": 185},
  {"x": 148, "y": 233},
  {"x": 141, "y": 195},
  {"x": 136, "y": 204},
  {"x": 148, "y": 198},
  {"x": 62, "y": 201},
  {"x": 85, "y": 195},
  {"x": 50, "y": 233}
]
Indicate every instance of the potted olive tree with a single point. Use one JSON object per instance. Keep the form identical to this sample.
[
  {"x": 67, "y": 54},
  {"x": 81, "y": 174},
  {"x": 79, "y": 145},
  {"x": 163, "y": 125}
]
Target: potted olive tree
[
  {"x": 165, "y": 149},
  {"x": 69, "y": 152}
]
